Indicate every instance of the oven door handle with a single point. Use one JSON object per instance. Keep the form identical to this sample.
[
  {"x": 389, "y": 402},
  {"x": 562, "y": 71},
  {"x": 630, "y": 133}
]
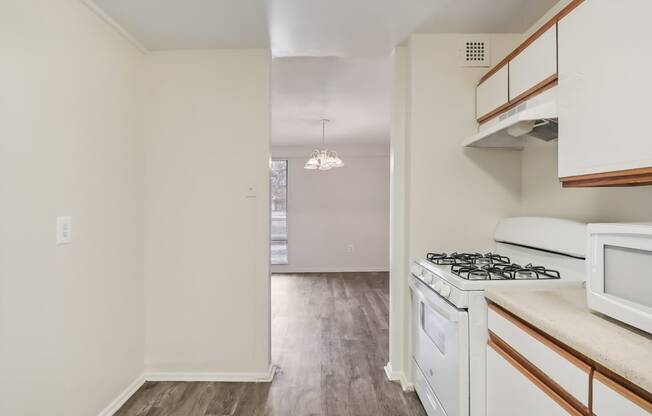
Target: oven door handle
[{"x": 449, "y": 312}]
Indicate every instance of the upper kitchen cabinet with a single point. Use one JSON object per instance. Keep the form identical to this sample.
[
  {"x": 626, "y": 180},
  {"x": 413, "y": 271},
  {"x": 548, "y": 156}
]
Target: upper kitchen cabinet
[
  {"x": 528, "y": 70},
  {"x": 517, "y": 96},
  {"x": 604, "y": 94},
  {"x": 492, "y": 93},
  {"x": 535, "y": 66}
]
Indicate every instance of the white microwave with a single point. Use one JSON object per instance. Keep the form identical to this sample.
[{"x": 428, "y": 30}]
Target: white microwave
[{"x": 619, "y": 266}]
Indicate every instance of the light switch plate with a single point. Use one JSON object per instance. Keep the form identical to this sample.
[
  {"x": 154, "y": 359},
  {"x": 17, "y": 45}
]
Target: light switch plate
[{"x": 64, "y": 230}]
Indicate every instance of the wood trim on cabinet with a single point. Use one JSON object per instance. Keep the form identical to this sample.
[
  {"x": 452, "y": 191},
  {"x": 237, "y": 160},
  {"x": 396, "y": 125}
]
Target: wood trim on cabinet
[
  {"x": 520, "y": 48},
  {"x": 542, "y": 86},
  {"x": 497, "y": 111},
  {"x": 541, "y": 338},
  {"x": 591, "y": 391},
  {"x": 540, "y": 384},
  {"x": 546, "y": 84},
  {"x": 542, "y": 376},
  {"x": 624, "y": 391},
  {"x": 632, "y": 177}
]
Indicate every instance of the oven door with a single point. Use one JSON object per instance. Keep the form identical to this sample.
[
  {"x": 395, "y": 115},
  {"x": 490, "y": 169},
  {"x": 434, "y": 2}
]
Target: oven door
[
  {"x": 619, "y": 282},
  {"x": 441, "y": 347}
]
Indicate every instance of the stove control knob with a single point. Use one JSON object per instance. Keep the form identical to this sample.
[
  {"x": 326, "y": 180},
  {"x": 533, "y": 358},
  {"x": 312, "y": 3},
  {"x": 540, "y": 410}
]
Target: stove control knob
[
  {"x": 438, "y": 284},
  {"x": 427, "y": 277},
  {"x": 445, "y": 291}
]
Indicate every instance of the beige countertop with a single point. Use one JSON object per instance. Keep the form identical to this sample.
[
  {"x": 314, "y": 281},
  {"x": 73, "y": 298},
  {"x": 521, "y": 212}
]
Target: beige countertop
[{"x": 562, "y": 313}]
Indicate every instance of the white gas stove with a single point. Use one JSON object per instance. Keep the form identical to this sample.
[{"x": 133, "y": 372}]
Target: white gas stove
[{"x": 449, "y": 312}]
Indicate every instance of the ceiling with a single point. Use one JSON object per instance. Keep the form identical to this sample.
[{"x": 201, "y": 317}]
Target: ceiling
[
  {"x": 312, "y": 27},
  {"x": 332, "y": 56},
  {"x": 354, "y": 93},
  {"x": 191, "y": 24},
  {"x": 344, "y": 27},
  {"x": 486, "y": 16}
]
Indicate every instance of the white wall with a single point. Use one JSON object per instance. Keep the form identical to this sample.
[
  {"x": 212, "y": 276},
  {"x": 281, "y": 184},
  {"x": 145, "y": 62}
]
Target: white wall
[
  {"x": 71, "y": 316},
  {"x": 330, "y": 211},
  {"x": 398, "y": 232},
  {"x": 206, "y": 242},
  {"x": 543, "y": 195},
  {"x": 455, "y": 196}
]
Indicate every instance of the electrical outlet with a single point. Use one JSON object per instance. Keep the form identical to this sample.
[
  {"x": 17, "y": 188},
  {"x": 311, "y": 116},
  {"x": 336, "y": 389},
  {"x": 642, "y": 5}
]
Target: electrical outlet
[
  {"x": 64, "y": 230},
  {"x": 350, "y": 248}
]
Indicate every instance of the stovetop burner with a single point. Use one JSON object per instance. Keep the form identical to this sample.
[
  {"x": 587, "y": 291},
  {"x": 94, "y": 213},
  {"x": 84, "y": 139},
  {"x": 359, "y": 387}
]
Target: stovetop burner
[
  {"x": 466, "y": 258},
  {"x": 490, "y": 266}
]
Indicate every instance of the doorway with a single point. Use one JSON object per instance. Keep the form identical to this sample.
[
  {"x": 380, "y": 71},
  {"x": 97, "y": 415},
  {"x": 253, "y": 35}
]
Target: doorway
[{"x": 330, "y": 284}]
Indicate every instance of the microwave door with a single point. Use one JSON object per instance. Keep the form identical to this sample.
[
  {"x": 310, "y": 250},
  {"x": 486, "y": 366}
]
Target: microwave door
[
  {"x": 628, "y": 274},
  {"x": 620, "y": 277}
]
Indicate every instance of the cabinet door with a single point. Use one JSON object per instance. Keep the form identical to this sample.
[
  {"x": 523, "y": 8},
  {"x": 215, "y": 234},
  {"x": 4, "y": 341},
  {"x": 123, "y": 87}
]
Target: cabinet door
[
  {"x": 605, "y": 62},
  {"x": 612, "y": 399},
  {"x": 535, "y": 66},
  {"x": 513, "y": 391},
  {"x": 492, "y": 93}
]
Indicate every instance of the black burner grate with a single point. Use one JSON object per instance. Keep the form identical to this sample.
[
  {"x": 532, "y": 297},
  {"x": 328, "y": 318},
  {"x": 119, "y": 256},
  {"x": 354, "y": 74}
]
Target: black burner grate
[{"x": 490, "y": 266}]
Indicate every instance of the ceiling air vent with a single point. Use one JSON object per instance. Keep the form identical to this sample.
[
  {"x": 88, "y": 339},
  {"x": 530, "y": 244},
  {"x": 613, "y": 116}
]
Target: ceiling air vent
[{"x": 475, "y": 51}]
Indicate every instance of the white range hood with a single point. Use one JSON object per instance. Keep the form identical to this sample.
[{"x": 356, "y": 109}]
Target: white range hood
[{"x": 536, "y": 117}]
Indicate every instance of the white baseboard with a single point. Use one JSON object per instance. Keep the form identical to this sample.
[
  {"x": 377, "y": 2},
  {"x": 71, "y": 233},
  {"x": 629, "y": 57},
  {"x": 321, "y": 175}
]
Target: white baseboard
[
  {"x": 290, "y": 269},
  {"x": 122, "y": 398},
  {"x": 398, "y": 376},
  {"x": 265, "y": 377}
]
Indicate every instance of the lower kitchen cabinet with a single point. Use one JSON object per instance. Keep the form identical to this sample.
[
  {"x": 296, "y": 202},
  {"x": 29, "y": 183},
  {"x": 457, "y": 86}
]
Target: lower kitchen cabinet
[
  {"x": 512, "y": 390},
  {"x": 531, "y": 373},
  {"x": 612, "y": 399}
]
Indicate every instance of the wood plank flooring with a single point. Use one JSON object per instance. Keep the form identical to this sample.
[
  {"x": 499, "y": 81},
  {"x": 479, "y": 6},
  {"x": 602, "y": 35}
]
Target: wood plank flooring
[{"x": 330, "y": 340}]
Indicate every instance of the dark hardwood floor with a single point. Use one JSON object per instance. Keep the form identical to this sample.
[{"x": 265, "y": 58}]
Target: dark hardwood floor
[{"x": 330, "y": 340}]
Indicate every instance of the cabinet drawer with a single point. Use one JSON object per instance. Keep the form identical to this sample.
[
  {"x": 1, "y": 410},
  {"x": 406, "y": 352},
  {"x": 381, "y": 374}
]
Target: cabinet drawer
[
  {"x": 492, "y": 93},
  {"x": 535, "y": 65},
  {"x": 612, "y": 399},
  {"x": 571, "y": 374},
  {"x": 513, "y": 391}
]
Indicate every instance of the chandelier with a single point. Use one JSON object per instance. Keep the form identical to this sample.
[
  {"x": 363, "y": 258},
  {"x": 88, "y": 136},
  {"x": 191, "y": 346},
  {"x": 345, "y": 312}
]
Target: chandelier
[{"x": 323, "y": 159}]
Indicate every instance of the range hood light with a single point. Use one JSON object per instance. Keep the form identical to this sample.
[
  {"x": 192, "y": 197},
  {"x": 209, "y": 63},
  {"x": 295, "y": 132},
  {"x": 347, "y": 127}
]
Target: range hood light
[{"x": 520, "y": 128}]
